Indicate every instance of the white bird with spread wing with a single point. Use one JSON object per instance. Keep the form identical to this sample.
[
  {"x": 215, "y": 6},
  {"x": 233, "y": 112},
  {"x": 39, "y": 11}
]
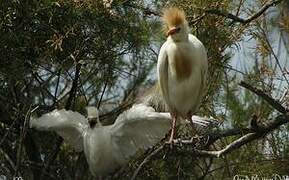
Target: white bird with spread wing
[
  {"x": 107, "y": 148},
  {"x": 182, "y": 67}
]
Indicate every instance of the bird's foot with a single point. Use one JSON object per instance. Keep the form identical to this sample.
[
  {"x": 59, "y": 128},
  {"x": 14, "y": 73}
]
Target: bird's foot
[
  {"x": 171, "y": 140},
  {"x": 170, "y": 143}
]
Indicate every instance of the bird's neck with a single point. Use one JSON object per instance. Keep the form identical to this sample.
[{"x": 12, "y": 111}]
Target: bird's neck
[{"x": 181, "y": 37}]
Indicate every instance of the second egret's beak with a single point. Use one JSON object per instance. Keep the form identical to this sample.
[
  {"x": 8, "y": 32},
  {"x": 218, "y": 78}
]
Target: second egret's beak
[{"x": 173, "y": 30}]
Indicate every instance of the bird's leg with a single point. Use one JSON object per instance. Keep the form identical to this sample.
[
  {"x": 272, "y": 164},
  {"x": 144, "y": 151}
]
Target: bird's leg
[{"x": 173, "y": 127}]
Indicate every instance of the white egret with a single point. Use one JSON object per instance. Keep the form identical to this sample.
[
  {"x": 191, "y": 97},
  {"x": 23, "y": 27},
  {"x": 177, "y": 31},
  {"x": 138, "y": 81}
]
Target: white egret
[
  {"x": 107, "y": 148},
  {"x": 182, "y": 68}
]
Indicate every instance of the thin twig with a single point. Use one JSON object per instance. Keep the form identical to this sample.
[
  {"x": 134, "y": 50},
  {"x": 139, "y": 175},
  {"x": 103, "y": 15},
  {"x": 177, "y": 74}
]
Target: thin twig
[
  {"x": 7, "y": 157},
  {"x": 8, "y": 131},
  {"x": 230, "y": 68},
  {"x": 22, "y": 137},
  {"x": 239, "y": 7},
  {"x": 74, "y": 87},
  {"x": 102, "y": 93},
  {"x": 241, "y": 20},
  {"x": 234, "y": 145},
  {"x": 57, "y": 85},
  {"x": 146, "y": 160},
  {"x": 275, "y": 57},
  {"x": 41, "y": 82},
  {"x": 274, "y": 103}
]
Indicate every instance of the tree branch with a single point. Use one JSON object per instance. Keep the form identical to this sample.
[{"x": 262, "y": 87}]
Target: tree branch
[
  {"x": 271, "y": 126},
  {"x": 146, "y": 160},
  {"x": 225, "y": 14},
  {"x": 74, "y": 87},
  {"x": 249, "y": 19},
  {"x": 33, "y": 153},
  {"x": 254, "y": 132},
  {"x": 234, "y": 145},
  {"x": 21, "y": 140},
  {"x": 274, "y": 103}
]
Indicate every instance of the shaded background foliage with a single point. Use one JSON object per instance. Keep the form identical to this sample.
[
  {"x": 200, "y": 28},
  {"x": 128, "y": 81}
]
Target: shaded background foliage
[{"x": 111, "y": 49}]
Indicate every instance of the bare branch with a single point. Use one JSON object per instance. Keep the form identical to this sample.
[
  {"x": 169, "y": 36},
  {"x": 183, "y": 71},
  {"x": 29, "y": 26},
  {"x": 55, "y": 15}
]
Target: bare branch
[
  {"x": 264, "y": 129},
  {"x": 9, "y": 160},
  {"x": 56, "y": 88},
  {"x": 8, "y": 131},
  {"x": 22, "y": 137},
  {"x": 249, "y": 19},
  {"x": 74, "y": 86},
  {"x": 274, "y": 103},
  {"x": 146, "y": 160},
  {"x": 234, "y": 145},
  {"x": 102, "y": 93},
  {"x": 275, "y": 56},
  {"x": 225, "y": 14}
]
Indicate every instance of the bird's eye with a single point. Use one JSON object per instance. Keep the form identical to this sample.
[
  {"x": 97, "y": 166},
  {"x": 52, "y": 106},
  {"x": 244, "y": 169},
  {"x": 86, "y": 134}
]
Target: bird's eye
[{"x": 178, "y": 29}]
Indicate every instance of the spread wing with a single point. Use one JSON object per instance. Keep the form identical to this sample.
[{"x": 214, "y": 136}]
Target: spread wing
[
  {"x": 162, "y": 67},
  {"x": 138, "y": 129},
  {"x": 68, "y": 124}
]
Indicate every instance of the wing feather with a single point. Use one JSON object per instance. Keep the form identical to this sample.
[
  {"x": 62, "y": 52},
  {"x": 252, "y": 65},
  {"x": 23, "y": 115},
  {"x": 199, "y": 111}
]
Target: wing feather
[
  {"x": 68, "y": 124},
  {"x": 138, "y": 129},
  {"x": 204, "y": 63},
  {"x": 162, "y": 67}
]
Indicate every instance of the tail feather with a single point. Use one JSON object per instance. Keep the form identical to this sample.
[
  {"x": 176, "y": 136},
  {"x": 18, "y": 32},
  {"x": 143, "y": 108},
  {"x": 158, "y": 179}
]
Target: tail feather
[{"x": 204, "y": 121}]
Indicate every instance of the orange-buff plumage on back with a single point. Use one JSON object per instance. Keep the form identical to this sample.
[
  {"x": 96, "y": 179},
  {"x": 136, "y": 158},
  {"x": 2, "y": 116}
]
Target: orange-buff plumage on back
[{"x": 182, "y": 67}]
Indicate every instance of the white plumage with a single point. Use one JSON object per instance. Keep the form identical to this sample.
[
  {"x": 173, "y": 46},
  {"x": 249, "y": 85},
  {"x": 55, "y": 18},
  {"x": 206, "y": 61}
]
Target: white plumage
[
  {"x": 109, "y": 147},
  {"x": 70, "y": 125},
  {"x": 182, "y": 67}
]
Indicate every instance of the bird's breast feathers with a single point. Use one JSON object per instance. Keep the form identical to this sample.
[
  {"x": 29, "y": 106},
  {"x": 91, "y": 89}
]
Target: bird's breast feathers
[
  {"x": 185, "y": 95},
  {"x": 183, "y": 60},
  {"x": 181, "y": 64}
]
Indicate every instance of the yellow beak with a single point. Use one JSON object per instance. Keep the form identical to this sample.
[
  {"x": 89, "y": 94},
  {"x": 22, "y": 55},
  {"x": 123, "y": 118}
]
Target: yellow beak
[{"x": 173, "y": 30}]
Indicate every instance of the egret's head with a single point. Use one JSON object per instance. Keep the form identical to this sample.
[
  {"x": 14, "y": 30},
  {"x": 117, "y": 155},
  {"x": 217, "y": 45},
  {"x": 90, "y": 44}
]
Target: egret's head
[
  {"x": 175, "y": 24},
  {"x": 93, "y": 116}
]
